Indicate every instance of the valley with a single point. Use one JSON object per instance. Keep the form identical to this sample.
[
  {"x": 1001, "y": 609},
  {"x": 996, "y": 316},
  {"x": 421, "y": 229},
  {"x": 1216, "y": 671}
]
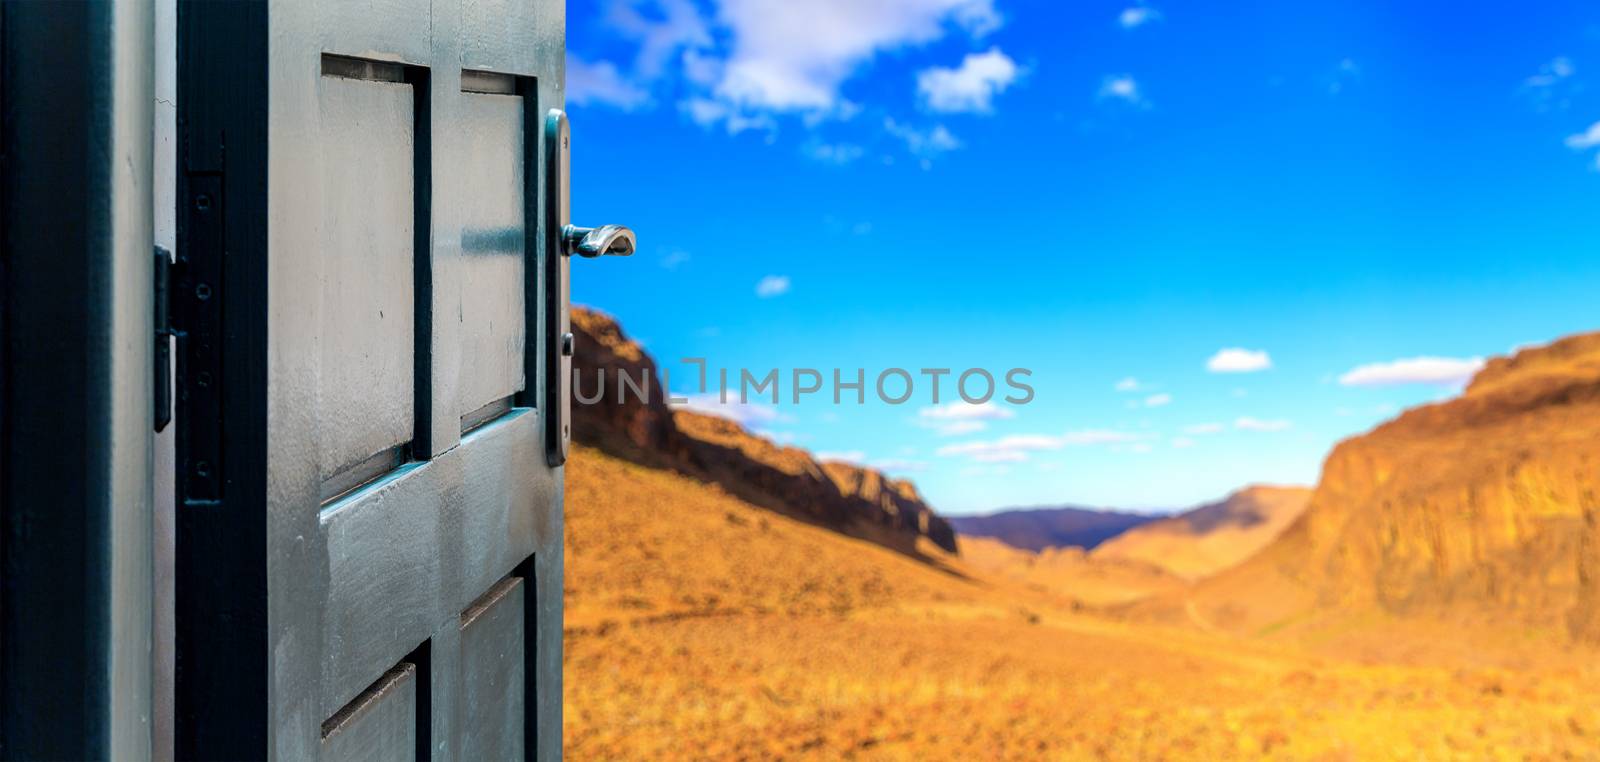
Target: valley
[
  {"x": 700, "y": 626},
  {"x": 1432, "y": 598}
]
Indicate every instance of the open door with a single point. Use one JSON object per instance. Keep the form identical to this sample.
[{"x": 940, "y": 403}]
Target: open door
[{"x": 369, "y": 527}]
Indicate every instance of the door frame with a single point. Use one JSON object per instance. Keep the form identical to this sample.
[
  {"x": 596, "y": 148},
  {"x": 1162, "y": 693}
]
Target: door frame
[
  {"x": 76, "y": 408},
  {"x": 220, "y": 558}
]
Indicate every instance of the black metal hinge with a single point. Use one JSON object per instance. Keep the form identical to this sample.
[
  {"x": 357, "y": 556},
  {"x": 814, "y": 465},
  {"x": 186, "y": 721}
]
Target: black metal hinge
[
  {"x": 163, "y": 337},
  {"x": 197, "y": 294}
]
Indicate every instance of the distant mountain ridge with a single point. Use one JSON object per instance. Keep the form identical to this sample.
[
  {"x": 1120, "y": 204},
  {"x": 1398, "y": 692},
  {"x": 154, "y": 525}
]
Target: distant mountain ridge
[
  {"x": 1156, "y": 556},
  {"x": 1205, "y": 540},
  {"x": 854, "y": 500},
  {"x": 1038, "y": 529}
]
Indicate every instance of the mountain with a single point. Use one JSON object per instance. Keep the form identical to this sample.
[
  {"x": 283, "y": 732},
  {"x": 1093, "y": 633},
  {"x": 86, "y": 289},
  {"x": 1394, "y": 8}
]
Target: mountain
[
  {"x": 1212, "y": 537},
  {"x": 1476, "y": 512},
  {"x": 1040, "y": 528},
  {"x": 854, "y": 500}
]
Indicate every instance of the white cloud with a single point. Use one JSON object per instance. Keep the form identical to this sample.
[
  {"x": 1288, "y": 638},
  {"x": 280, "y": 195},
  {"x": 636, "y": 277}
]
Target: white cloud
[
  {"x": 961, "y": 410},
  {"x": 704, "y": 111},
  {"x": 1137, "y": 16},
  {"x": 600, "y": 83},
  {"x": 1015, "y": 448},
  {"x": 1442, "y": 371},
  {"x": 789, "y": 56},
  {"x": 748, "y": 414},
  {"x": 1237, "y": 360},
  {"x": 772, "y": 285},
  {"x": 707, "y": 113},
  {"x": 1016, "y": 443},
  {"x": 959, "y": 417},
  {"x": 1553, "y": 87},
  {"x": 1203, "y": 428},
  {"x": 1157, "y": 400},
  {"x": 835, "y": 153},
  {"x": 846, "y": 456},
  {"x": 977, "y": 17},
  {"x": 1122, "y": 87},
  {"x": 700, "y": 68},
  {"x": 1246, "y": 423},
  {"x": 659, "y": 29},
  {"x": 1551, "y": 73},
  {"x": 1587, "y": 140},
  {"x": 1182, "y": 442},
  {"x": 1129, "y": 384},
  {"x": 971, "y": 87},
  {"x": 924, "y": 143},
  {"x": 1096, "y": 436},
  {"x": 744, "y": 64}
]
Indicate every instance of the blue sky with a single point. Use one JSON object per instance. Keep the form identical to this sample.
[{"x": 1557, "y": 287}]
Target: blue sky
[{"x": 1359, "y": 200}]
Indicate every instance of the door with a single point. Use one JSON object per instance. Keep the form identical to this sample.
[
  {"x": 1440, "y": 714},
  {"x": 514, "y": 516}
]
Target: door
[{"x": 369, "y": 524}]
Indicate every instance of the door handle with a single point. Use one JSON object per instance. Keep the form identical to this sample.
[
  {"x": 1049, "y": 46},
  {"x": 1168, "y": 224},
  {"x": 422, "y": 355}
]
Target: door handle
[
  {"x": 562, "y": 240},
  {"x": 607, "y": 240}
]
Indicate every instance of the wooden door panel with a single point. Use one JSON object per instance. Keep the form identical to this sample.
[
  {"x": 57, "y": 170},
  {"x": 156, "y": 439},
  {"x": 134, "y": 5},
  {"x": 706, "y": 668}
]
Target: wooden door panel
[
  {"x": 380, "y": 725},
  {"x": 409, "y": 553},
  {"x": 490, "y": 705},
  {"x": 365, "y": 336},
  {"x": 494, "y": 238}
]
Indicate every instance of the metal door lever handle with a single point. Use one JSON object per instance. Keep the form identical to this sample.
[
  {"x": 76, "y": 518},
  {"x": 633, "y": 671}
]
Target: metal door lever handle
[{"x": 613, "y": 240}]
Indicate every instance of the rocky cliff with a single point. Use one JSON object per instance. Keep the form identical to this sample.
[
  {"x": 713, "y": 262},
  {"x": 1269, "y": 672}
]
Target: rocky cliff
[
  {"x": 1481, "y": 508},
  {"x": 857, "y": 501}
]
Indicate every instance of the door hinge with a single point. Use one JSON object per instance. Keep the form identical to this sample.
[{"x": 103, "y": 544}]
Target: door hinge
[
  {"x": 162, "y": 386},
  {"x": 196, "y": 295}
]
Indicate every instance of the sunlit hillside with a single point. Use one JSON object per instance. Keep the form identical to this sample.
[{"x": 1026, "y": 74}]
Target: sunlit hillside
[{"x": 702, "y": 627}]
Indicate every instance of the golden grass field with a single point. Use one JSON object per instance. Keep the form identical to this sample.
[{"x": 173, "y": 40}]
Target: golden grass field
[{"x": 699, "y": 627}]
